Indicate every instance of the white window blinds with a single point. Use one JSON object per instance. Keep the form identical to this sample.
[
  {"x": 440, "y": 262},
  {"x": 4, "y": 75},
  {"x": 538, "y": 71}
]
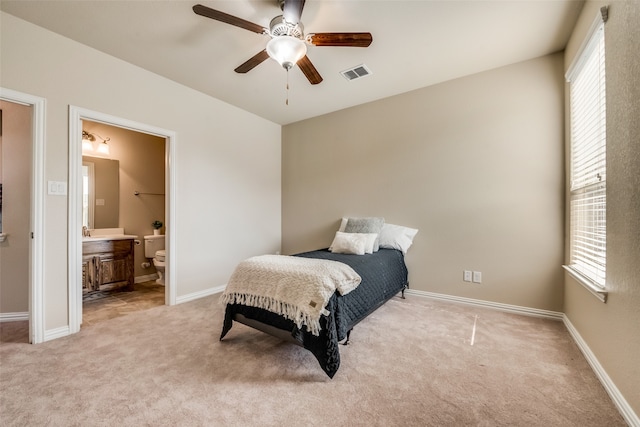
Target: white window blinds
[{"x": 588, "y": 160}]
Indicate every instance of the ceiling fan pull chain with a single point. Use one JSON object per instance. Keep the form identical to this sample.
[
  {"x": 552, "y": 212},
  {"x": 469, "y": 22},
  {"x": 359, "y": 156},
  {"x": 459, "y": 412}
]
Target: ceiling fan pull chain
[{"x": 287, "y": 100}]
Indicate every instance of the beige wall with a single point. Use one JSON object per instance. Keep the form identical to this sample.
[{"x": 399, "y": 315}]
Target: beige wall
[
  {"x": 611, "y": 330},
  {"x": 16, "y": 179},
  {"x": 141, "y": 159},
  {"x": 227, "y": 161},
  {"x": 476, "y": 164}
]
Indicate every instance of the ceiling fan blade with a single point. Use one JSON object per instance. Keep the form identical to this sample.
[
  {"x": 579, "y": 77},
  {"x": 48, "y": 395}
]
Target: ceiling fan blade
[
  {"x": 292, "y": 10},
  {"x": 252, "y": 62},
  {"x": 341, "y": 39},
  {"x": 228, "y": 19},
  {"x": 309, "y": 70}
]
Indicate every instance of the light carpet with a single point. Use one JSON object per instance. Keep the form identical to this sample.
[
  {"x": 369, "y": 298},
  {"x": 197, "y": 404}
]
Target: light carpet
[{"x": 413, "y": 362}]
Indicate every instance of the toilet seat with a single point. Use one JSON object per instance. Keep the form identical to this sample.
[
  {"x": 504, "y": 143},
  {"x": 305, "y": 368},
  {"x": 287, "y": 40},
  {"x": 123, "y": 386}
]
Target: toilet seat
[
  {"x": 160, "y": 255},
  {"x": 159, "y": 264}
]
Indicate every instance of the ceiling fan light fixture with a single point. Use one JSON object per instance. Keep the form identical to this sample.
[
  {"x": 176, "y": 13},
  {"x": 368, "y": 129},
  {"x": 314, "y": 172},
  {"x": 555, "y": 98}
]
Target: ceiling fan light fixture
[{"x": 286, "y": 50}]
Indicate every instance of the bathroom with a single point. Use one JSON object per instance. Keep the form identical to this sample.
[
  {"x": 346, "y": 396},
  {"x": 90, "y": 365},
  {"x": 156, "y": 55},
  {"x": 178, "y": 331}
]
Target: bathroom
[{"x": 128, "y": 192}]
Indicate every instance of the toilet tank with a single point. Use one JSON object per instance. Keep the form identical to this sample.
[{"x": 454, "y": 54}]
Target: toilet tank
[{"x": 152, "y": 244}]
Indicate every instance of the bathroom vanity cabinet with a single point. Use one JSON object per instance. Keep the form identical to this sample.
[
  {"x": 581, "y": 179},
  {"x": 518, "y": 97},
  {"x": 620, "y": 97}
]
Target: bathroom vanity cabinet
[{"x": 107, "y": 263}]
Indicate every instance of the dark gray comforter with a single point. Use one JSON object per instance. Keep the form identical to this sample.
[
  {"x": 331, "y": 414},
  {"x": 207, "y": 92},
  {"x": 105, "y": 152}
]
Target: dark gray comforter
[{"x": 383, "y": 273}]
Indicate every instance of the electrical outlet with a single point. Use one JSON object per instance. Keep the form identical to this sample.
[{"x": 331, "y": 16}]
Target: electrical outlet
[
  {"x": 477, "y": 277},
  {"x": 466, "y": 276}
]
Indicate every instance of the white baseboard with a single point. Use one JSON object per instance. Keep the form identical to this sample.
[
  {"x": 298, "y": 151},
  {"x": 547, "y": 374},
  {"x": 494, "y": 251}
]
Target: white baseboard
[
  {"x": 200, "y": 294},
  {"x": 147, "y": 278},
  {"x": 621, "y": 403},
  {"x": 14, "y": 317},
  {"x": 60, "y": 332},
  {"x": 516, "y": 309}
]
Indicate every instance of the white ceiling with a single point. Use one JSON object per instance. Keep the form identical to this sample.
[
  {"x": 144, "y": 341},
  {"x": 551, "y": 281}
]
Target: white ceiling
[{"x": 415, "y": 44}]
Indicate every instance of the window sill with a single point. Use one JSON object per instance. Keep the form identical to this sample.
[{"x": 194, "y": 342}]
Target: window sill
[{"x": 598, "y": 292}]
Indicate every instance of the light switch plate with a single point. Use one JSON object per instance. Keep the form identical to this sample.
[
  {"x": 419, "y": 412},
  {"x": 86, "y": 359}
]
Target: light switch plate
[{"x": 57, "y": 188}]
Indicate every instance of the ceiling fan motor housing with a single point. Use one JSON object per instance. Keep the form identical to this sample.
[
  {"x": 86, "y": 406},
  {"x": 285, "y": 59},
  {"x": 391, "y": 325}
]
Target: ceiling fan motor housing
[{"x": 280, "y": 27}]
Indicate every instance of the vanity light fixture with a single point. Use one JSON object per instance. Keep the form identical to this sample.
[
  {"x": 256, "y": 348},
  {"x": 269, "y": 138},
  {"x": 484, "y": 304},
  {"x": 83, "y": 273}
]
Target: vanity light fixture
[
  {"x": 103, "y": 148},
  {"x": 89, "y": 146}
]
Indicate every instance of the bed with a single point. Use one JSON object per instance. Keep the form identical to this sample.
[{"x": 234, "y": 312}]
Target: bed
[{"x": 383, "y": 275}]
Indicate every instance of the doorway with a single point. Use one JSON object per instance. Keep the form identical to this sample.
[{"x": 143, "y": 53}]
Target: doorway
[
  {"x": 79, "y": 119},
  {"x": 15, "y": 198},
  {"x": 123, "y": 182},
  {"x": 33, "y": 232}
]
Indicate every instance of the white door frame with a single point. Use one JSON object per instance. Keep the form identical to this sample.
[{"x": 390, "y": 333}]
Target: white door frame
[
  {"x": 76, "y": 115},
  {"x": 36, "y": 243}
]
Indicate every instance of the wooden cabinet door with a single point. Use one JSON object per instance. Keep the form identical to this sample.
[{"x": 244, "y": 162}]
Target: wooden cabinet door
[
  {"x": 112, "y": 269},
  {"x": 107, "y": 262},
  {"x": 89, "y": 277}
]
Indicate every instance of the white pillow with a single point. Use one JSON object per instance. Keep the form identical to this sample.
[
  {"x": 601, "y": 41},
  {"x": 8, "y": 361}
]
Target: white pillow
[
  {"x": 363, "y": 225},
  {"x": 349, "y": 243},
  {"x": 343, "y": 225},
  {"x": 371, "y": 242},
  {"x": 397, "y": 237}
]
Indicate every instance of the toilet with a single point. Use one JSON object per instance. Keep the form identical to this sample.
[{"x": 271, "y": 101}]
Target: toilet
[{"x": 154, "y": 248}]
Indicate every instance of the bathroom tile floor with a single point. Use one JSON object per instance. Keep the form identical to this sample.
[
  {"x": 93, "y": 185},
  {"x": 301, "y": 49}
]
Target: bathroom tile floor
[{"x": 116, "y": 303}]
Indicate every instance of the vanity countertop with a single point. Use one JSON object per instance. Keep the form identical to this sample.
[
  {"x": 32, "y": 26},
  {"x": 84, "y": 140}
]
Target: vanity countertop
[
  {"x": 109, "y": 237},
  {"x": 98, "y": 234}
]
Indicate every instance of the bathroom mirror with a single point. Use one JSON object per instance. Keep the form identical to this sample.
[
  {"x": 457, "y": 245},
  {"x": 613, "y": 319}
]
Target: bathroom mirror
[{"x": 100, "y": 192}]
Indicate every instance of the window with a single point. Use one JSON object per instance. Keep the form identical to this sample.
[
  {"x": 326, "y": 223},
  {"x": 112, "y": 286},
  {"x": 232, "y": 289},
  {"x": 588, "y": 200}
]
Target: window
[
  {"x": 88, "y": 193},
  {"x": 588, "y": 176}
]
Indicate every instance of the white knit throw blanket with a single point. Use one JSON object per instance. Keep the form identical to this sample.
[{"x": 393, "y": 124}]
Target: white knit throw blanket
[{"x": 294, "y": 287}]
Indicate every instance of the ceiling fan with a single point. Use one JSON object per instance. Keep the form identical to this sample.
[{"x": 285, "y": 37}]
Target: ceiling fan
[{"x": 288, "y": 44}]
